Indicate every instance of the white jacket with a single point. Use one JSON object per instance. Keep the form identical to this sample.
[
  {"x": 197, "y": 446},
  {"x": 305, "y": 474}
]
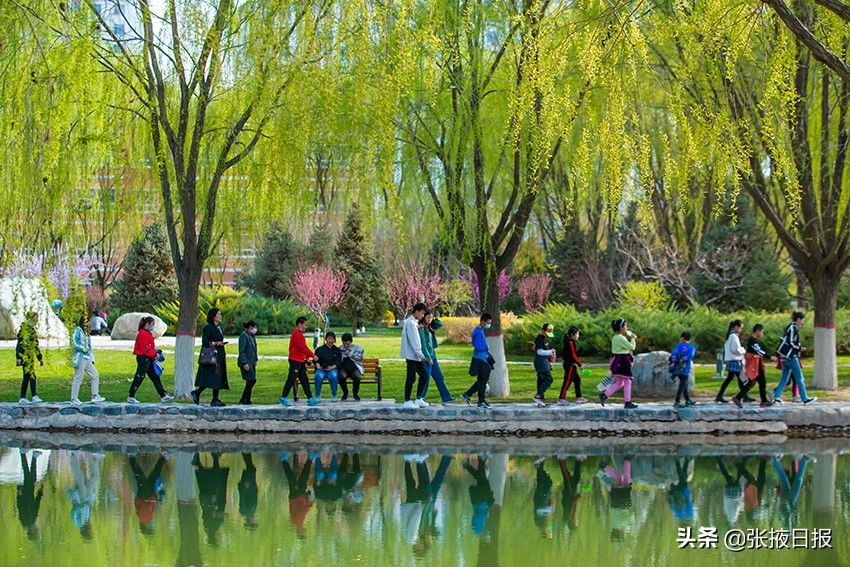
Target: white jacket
[
  {"x": 411, "y": 346},
  {"x": 733, "y": 349}
]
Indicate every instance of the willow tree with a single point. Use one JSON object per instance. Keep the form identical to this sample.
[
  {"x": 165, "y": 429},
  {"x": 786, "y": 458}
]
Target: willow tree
[{"x": 498, "y": 88}]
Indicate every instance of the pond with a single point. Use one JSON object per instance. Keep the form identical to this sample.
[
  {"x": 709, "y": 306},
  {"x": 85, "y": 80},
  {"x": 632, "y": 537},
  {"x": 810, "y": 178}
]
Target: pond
[{"x": 343, "y": 505}]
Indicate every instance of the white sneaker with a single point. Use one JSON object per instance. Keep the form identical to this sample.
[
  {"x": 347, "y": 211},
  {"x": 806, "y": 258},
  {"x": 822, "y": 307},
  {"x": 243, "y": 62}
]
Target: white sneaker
[
  {"x": 36, "y": 399},
  {"x": 166, "y": 398},
  {"x": 76, "y": 402},
  {"x": 421, "y": 403},
  {"x": 796, "y": 399},
  {"x": 97, "y": 399},
  {"x": 334, "y": 399},
  {"x": 132, "y": 400},
  {"x": 410, "y": 404},
  {"x": 24, "y": 402}
]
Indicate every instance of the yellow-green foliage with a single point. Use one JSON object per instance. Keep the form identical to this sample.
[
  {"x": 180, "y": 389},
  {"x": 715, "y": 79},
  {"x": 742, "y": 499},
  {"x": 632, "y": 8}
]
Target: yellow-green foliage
[{"x": 643, "y": 295}]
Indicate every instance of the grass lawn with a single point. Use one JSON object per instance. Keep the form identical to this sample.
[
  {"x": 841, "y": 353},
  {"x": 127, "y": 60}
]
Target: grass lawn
[{"x": 117, "y": 367}]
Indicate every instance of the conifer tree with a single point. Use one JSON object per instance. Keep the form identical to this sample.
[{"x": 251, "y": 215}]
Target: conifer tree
[
  {"x": 148, "y": 274},
  {"x": 365, "y": 298}
]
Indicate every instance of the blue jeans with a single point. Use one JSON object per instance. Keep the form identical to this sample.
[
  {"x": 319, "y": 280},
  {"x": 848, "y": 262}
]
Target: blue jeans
[
  {"x": 332, "y": 377},
  {"x": 436, "y": 373},
  {"x": 791, "y": 366}
]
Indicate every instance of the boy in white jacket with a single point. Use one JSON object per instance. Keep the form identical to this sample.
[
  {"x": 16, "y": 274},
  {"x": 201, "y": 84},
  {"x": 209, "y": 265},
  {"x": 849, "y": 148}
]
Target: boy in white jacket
[
  {"x": 734, "y": 357},
  {"x": 411, "y": 352}
]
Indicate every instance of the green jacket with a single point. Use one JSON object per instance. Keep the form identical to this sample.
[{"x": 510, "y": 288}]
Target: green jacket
[
  {"x": 27, "y": 350},
  {"x": 622, "y": 345},
  {"x": 427, "y": 344}
]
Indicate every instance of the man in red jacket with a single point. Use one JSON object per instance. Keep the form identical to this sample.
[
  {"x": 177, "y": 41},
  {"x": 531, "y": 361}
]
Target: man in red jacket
[{"x": 299, "y": 355}]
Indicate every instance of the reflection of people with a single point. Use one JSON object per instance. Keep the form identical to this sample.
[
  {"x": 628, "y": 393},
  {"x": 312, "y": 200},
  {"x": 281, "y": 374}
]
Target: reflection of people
[
  {"x": 351, "y": 482},
  {"x": 326, "y": 481},
  {"x": 572, "y": 490},
  {"x": 300, "y": 498},
  {"x": 480, "y": 494},
  {"x": 83, "y": 495},
  {"x": 754, "y": 489},
  {"x": 789, "y": 489},
  {"x": 428, "y": 518},
  {"x": 679, "y": 496},
  {"x": 544, "y": 504},
  {"x": 619, "y": 486},
  {"x": 733, "y": 498},
  {"x": 27, "y": 499},
  {"x": 248, "y": 492},
  {"x": 416, "y": 494},
  {"x": 146, "y": 493},
  {"x": 212, "y": 494}
]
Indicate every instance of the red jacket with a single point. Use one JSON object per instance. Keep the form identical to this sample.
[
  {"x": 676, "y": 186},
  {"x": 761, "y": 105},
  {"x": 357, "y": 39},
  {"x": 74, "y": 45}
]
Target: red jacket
[
  {"x": 569, "y": 353},
  {"x": 144, "y": 344},
  {"x": 298, "y": 349}
]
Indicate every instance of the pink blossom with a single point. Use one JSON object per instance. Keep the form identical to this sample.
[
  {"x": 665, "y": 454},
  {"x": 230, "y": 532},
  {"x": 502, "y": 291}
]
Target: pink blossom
[
  {"x": 412, "y": 283},
  {"x": 319, "y": 288},
  {"x": 506, "y": 285},
  {"x": 534, "y": 291}
]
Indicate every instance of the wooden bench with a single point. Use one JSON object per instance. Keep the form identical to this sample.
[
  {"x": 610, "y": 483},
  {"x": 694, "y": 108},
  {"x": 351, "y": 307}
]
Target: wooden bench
[{"x": 372, "y": 374}]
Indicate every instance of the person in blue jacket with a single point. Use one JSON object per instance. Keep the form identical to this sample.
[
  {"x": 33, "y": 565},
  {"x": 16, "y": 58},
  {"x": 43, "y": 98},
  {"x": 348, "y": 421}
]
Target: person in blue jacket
[
  {"x": 482, "y": 362},
  {"x": 681, "y": 360}
]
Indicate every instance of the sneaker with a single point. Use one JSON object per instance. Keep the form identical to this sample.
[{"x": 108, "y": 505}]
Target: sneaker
[
  {"x": 465, "y": 398},
  {"x": 765, "y": 404},
  {"x": 132, "y": 400},
  {"x": 284, "y": 401},
  {"x": 196, "y": 397},
  {"x": 720, "y": 400},
  {"x": 98, "y": 399},
  {"x": 421, "y": 403},
  {"x": 410, "y": 404},
  {"x": 166, "y": 398},
  {"x": 678, "y": 405},
  {"x": 748, "y": 400},
  {"x": 796, "y": 399},
  {"x": 344, "y": 397},
  {"x": 563, "y": 403},
  {"x": 484, "y": 405},
  {"x": 334, "y": 399},
  {"x": 810, "y": 400},
  {"x": 36, "y": 400},
  {"x": 24, "y": 402},
  {"x": 217, "y": 404},
  {"x": 539, "y": 402},
  {"x": 629, "y": 405},
  {"x": 314, "y": 402},
  {"x": 777, "y": 400},
  {"x": 581, "y": 400},
  {"x": 356, "y": 397},
  {"x": 448, "y": 402},
  {"x": 690, "y": 403},
  {"x": 76, "y": 402},
  {"x": 737, "y": 402},
  {"x": 602, "y": 398}
]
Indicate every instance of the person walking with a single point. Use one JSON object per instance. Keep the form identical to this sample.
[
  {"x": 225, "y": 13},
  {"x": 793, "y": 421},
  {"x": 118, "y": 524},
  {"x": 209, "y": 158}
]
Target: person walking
[
  {"x": 571, "y": 367},
  {"x": 351, "y": 366},
  {"x": 733, "y": 354},
  {"x": 328, "y": 361},
  {"x": 28, "y": 499},
  {"x": 146, "y": 352},
  {"x": 212, "y": 375},
  {"x": 754, "y": 368},
  {"x": 482, "y": 363},
  {"x": 623, "y": 343},
  {"x": 428, "y": 338},
  {"x": 247, "y": 360},
  {"x": 411, "y": 352},
  {"x": 27, "y": 352},
  {"x": 543, "y": 359},
  {"x": 147, "y": 492},
  {"x": 299, "y": 355},
  {"x": 789, "y": 349},
  {"x": 681, "y": 360},
  {"x": 82, "y": 359}
]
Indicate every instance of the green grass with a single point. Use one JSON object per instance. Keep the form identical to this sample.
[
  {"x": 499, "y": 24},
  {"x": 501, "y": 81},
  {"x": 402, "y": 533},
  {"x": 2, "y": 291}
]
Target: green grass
[{"x": 117, "y": 367}]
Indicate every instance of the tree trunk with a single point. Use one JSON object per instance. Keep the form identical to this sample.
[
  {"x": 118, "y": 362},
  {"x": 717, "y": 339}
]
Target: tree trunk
[
  {"x": 488, "y": 289},
  {"x": 802, "y": 284},
  {"x": 184, "y": 349},
  {"x": 825, "y": 293},
  {"x": 189, "y": 552}
]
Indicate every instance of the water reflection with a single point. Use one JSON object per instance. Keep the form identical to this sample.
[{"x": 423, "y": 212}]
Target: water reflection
[{"x": 328, "y": 505}]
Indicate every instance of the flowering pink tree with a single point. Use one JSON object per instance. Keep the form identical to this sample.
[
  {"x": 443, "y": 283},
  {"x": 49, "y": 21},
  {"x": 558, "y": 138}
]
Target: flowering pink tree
[
  {"x": 534, "y": 291},
  {"x": 411, "y": 283},
  {"x": 506, "y": 285},
  {"x": 318, "y": 288}
]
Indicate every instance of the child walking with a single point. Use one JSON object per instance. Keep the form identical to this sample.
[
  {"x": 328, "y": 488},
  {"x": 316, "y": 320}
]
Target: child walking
[
  {"x": 734, "y": 357},
  {"x": 26, "y": 353},
  {"x": 681, "y": 360},
  {"x": 622, "y": 344},
  {"x": 543, "y": 358},
  {"x": 571, "y": 366}
]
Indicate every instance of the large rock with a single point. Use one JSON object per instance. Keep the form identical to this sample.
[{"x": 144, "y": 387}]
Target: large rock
[
  {"x": 19, "y": 295},
  {"x": 651, "y": 377},
  {"x": 127, "y": 325}
]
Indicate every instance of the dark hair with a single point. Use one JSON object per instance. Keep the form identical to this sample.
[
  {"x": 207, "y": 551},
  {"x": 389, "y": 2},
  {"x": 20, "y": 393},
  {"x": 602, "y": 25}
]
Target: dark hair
[
  {"x": 143, "y": 322},
  {"x": 758, "y": 327},
  {"x": 571, "y": 332},
  {"x": 486, "y": 317},
  {"x": 732, "y": 324},
  {"x": 330, "y": 334},
  {"x": 618, "y": 324},
  {"x": 300, "y": 320},
  {"x": 347, "y": 337},
  {"x": 250, "y": 323},
  {"x": 212, "y": 313},
  {"x": 797, "y": 315},
  {"x": 686, "y": 335},
  {"x": 82, "y": 322},
  {"x": 419, "y": 307},
  {"x": 546, "y": 326}
]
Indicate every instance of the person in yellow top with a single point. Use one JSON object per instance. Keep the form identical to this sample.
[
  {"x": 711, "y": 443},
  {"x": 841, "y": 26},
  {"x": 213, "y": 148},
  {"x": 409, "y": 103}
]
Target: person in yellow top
[{"x": 622, "y": 344}]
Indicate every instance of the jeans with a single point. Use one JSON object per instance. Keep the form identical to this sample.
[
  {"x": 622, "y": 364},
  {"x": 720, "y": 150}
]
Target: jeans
[
  {"x": 791, "y": 366},
  {"x": 332, "y": 377},
  {"x": 544, "y": 380},
  {"x": 434, "y": 371},
  {"x": 683, "y": 388}
]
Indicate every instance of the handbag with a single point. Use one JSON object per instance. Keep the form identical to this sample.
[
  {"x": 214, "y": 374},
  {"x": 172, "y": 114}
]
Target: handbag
[
  {"x": 208, "y": 356},
  {"x": 607, "y": 381}
]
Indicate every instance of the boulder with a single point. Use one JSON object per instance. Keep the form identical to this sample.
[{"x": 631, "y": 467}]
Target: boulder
[
  {"x": 19, "y": 295},
  {"x": 127, "y": 325},
  {"x": 651, "y": 377}
]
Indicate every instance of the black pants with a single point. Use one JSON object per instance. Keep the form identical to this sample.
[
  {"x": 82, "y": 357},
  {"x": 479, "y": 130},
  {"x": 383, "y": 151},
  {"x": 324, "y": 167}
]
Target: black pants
[
  {"x": 144, "y": 367},
  {"x": 415, "y": 367},
  {"x": 355, "y": 382},
  {"x": 417, "y": 490},
  {"x": 28, "y": 381},
  {"x": 729, "y": 377},
  {"x": 246, "y": 393},
  {"x": 202, "y": 388},
  {"x": 297, "y": 481},
  {"x": 683, "y": 389},
  {"x": 762, "y": 382},
  {"x": 571, "y": 376},
  {"x": 544, "y": 380},
  {"x": 297, "y": 372},
  {"x": 482, "y": 376}
]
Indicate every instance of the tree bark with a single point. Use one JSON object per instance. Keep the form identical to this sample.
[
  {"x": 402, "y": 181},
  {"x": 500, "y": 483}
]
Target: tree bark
[
  {"x": 488, "y": 290},
  {"x": 825, "y": 292},
  {"x": 184, "y": 348}
]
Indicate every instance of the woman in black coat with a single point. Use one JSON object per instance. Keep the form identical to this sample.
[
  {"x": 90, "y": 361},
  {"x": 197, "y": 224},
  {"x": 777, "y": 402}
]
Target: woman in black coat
[{"x": 212, "y": 375}]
